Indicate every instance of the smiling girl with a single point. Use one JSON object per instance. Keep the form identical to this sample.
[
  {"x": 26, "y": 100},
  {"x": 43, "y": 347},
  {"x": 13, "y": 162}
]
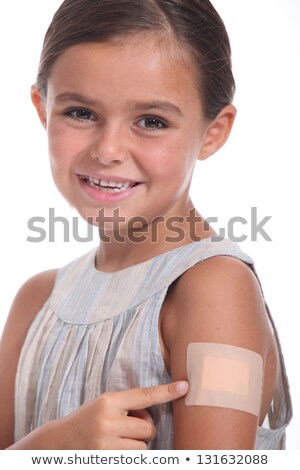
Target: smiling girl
[{"x": 96, "y": 355}]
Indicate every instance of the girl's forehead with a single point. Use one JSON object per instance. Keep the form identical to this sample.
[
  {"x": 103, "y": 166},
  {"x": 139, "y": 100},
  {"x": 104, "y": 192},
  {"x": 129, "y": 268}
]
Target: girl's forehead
[{"x": 134, "y": 66}]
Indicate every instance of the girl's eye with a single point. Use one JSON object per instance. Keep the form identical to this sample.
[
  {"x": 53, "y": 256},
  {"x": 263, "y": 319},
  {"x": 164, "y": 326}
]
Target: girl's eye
[
  {"x": 80, "y": 114},
  {"x": 152, "y": 123}
]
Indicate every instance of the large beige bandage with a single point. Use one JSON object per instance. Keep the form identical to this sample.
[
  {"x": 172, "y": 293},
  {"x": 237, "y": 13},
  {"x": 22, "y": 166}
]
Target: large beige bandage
[{"x": 225, "y": 376}]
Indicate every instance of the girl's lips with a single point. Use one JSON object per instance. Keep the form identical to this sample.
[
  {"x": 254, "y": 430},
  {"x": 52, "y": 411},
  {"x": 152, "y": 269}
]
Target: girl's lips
[{"x": 107, "y": 197}]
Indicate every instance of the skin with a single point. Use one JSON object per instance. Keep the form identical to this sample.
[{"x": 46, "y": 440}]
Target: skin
[
  {"x": 121, "y": 79},
  {"x": 218, "y": 300}
]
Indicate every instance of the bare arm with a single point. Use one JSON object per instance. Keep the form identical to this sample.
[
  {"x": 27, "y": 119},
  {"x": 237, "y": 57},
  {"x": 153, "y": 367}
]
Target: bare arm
[
  {"x": 218, "y": 301},
  {"x": 28, "y": 301}
]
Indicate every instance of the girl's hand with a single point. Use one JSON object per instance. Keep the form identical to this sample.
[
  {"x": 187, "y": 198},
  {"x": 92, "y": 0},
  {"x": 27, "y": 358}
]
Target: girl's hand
[{"x": 115, "y": 420}]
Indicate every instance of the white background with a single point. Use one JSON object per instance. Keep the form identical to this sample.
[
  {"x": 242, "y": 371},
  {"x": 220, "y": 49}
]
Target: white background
[{"x": 258, "y": 167}]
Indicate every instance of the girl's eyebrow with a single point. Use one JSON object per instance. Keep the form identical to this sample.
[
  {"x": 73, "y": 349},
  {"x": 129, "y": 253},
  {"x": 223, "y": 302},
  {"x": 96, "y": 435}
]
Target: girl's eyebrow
[
  {"x": 71, "y": 97},
  {"x": 163, "y": 105},
  {"x": 138, "y": 106}
]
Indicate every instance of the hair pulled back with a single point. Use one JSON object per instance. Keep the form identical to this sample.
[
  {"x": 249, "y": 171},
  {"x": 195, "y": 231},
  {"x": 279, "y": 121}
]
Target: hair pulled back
[{"x": 195, "y": 24}]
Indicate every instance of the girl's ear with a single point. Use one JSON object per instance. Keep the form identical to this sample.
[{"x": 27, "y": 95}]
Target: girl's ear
[
  {"x": 39, "y": 104},
  {"x": 218, "y": 132}
]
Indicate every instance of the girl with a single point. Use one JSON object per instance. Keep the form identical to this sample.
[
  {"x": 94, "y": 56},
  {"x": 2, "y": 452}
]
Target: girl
[{"x": 96, "y": 355}]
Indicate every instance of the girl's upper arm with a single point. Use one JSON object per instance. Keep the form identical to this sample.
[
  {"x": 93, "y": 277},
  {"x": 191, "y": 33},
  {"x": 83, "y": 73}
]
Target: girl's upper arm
[
  {"x": 28, "y": 301},
  {"x": 217, "y": 301}
]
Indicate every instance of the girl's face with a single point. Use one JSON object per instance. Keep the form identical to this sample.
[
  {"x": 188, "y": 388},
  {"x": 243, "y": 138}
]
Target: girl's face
[{"x": 125, "y": 126}]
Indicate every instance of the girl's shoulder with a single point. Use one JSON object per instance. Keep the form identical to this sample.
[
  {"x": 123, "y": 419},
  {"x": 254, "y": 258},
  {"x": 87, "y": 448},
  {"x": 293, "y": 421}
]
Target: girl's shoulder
[
  {"x": 221, "y": 293},
  {"x": 30, "y": 299}
]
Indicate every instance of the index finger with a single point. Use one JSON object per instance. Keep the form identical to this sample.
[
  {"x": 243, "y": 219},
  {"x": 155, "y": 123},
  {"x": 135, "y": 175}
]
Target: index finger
[{"x": 140, "y": 398}]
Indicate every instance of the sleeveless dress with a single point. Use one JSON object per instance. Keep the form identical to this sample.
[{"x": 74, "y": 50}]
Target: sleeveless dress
[{"x": 98, "y": 332}]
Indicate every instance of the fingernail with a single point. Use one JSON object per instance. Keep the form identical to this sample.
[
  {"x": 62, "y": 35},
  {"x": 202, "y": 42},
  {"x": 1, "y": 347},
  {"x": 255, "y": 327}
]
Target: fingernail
[{"x": 182, "y": 387}]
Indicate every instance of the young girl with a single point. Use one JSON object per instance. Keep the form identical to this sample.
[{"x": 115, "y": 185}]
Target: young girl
[{"x": 96, "y": 355}]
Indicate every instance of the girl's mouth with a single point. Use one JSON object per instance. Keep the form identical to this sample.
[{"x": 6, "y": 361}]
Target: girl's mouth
[{"x": 106, "y": 186}]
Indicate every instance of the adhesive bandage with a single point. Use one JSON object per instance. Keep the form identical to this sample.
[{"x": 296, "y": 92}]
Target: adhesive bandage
[{"x": 224, "y": 376}]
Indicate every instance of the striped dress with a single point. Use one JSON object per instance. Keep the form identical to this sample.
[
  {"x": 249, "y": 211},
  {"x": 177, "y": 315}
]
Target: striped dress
[{"x": 98, "y": 332}]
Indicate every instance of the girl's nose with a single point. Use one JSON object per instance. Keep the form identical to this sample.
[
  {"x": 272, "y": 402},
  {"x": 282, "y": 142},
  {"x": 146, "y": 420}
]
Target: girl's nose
[{"x": 111, "y": 146}]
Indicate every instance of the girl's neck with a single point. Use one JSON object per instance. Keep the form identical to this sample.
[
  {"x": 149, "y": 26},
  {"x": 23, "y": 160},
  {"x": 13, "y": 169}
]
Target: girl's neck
[{"x": 120, "y": 250}]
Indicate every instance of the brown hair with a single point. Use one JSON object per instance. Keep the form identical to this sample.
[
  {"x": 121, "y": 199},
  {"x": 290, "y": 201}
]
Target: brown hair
[{"x": 195, "y": 25}]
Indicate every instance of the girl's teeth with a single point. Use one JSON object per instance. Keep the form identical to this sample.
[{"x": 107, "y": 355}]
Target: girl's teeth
[
  {"x": 118, "y": 190},
  {"x": 109, "y": 186}
]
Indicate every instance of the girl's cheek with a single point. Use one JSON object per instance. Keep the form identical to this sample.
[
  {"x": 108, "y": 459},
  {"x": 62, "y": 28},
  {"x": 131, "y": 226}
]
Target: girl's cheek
[
  {"x": 161, "y": 154},
  {"x": 63, "y": 144}
]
